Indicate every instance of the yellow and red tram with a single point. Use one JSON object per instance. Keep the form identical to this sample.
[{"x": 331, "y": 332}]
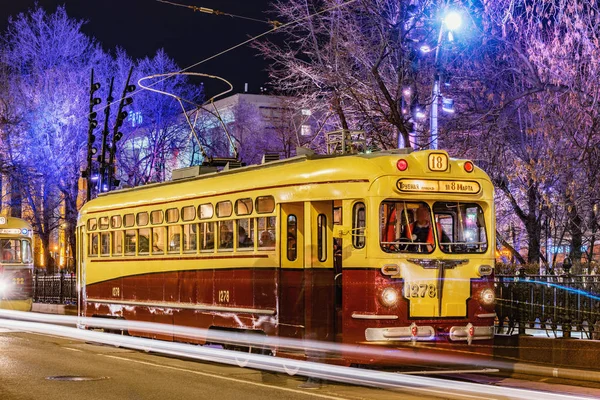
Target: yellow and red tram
[
  {"x": 330, "y": 248},
  {"x": 16, "y": 264}
]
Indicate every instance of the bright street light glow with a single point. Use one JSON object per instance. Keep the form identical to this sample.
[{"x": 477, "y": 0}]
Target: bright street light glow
[
  {"x": 425, "y": 48},
  {"x": 453, "y": 20}
]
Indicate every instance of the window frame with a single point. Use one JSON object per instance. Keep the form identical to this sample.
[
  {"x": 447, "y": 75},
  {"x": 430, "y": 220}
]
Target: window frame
[{"x": 259, "y": 199}]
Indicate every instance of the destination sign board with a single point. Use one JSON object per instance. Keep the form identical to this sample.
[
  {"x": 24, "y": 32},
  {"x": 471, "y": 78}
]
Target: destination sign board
[
  {"x": 2, "y": 220},
  {"x": 438, "y": 186}
]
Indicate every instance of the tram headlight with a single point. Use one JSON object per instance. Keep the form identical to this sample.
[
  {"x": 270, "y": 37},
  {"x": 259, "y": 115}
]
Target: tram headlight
[
  {"x": 3, "y": 287},
  {"x": 487, "y": 296},
  {"x": 389, "y": 297}
]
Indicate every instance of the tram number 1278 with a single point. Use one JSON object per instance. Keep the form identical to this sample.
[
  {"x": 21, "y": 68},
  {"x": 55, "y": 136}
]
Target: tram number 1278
[{"x": 420, "y": 290}]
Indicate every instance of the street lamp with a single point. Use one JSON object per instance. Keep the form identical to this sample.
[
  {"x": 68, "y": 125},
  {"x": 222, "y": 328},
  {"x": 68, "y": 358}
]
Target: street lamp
[{"x": 452, "y": 21}]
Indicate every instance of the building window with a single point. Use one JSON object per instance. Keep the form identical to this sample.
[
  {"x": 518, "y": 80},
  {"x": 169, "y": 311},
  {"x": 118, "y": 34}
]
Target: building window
[{"x": 306, "y": 130}]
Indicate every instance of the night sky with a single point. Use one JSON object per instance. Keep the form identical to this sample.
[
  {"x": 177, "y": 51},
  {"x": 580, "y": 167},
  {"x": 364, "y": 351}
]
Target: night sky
[{"x": 143, "y": 26}]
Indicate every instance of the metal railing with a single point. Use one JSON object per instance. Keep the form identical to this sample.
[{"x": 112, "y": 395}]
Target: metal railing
[
  {"x": 565, "y": 303},
  {"x": 54, "y": 289}
]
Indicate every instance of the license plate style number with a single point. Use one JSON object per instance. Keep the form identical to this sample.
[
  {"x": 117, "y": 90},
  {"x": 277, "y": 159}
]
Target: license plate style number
[{"x": 420, "y": 290}]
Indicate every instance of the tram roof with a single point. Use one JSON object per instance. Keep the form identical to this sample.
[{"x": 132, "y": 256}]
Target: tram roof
[{"x": 301, "y": 169}]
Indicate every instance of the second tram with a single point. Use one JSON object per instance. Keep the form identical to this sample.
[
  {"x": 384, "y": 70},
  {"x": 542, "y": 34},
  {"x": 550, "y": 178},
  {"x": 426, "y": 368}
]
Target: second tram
[
  {"x": 379, "y": 248},
  {"x": 16, "y": 264}
]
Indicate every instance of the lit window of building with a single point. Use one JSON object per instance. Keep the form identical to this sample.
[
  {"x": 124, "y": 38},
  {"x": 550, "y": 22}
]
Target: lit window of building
[{"x": 306, "y": 130}]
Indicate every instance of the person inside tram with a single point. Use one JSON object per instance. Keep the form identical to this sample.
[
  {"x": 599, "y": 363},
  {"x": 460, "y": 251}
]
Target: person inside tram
[
  {"x": 225, "y": 238},
  {"x": 421, "y": 233},
  {"x": 266, "y": 240},
  {"x": 243, "y": 239},
  {"x": 8, "y": 254}
]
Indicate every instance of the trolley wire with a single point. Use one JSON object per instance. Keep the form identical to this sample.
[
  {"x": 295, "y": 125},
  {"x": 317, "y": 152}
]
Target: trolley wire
[{"x": 218, "y": 12}]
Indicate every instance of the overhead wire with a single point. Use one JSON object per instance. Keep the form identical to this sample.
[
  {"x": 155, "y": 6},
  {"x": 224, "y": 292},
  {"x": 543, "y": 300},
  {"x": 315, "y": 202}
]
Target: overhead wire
[{"x": 243, "y": 43}]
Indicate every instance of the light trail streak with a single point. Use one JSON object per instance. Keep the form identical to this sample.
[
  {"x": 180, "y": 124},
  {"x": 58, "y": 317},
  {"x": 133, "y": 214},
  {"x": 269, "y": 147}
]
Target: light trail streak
[{"x": 335, "y": 373}]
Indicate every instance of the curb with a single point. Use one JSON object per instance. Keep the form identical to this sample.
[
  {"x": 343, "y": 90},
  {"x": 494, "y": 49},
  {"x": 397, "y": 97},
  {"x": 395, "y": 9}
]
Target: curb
[{"x": 564, "y": 373}]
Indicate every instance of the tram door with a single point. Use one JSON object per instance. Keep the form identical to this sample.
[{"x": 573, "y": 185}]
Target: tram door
[
  {"x": 291, "y": 274},
  {"x": 319, "y": 275}
]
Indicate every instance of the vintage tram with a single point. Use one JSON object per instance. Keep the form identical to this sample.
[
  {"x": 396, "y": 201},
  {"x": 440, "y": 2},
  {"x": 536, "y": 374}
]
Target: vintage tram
[
  {"x": 16, "y": 264},
  {"x": 380, "y": 248}
]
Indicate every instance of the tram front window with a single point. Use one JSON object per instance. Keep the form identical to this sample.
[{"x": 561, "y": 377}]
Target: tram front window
[
  {"x": 406, "y": 227},
  {"x": 11, "y": 250},
  {"x": 463, "y": 225}
]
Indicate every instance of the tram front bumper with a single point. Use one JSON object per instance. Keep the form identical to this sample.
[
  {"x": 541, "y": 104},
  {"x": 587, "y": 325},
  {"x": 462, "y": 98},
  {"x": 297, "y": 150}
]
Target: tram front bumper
[
  {"x": 416, "y": 332},
  {"x": 412, "y": 332}
]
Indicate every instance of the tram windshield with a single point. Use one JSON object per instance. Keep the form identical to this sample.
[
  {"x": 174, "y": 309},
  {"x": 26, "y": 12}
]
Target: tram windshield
[
  {"x": 405, "y": 227},
  {"x": 12, "y": 252}
]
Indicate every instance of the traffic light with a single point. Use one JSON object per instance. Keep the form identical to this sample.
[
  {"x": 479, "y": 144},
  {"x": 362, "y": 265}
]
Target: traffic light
[
  {"x": 117, "y": 135},
  {"x": 92, "y": 124}
]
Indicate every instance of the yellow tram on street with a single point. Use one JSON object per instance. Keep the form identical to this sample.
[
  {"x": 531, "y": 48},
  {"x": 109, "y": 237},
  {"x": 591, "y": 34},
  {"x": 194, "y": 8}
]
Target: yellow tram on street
[
  {"x": 379, "y": 248},
  {"x": 16, "y": 264}
]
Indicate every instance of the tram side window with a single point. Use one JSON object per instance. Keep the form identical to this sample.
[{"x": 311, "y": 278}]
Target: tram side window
[
  {"x": 243, "y": 207},
  {"x": 207, "y": 236},
  {"x": 461, "y": 226},
  {"x": 157, "y": 217},
  {"x": 359, "y": 222},
  {"x": 266, "y": 233},
  {"x": 206, "y": 211},
  {"x": 225, "y": 235},
  {"x": 174, "y": 235},
  {"x": 172, "y": 215},
  {"x": 11, "y": 250},
  {"x": 405, "y": 227},
  {"x": 103, "y": 223},
  {"x": 92, "y": 224},
  {"x": 93, "y": 245},
  {"x": 245, "y": 233},
  {"x": 190, "y": 238},
  {"x": 115, "y": 221},
  {"x": 224, "y": 209},
  {"x": 188, "y": 213},
  {"x": 158, "y": 240},
  {"x": 128, "y": 220},
  {"x": 105, "y": 244},
  {"x": 142, "y": 218},
  {"x": 265, "y": 204},
  {"x": 144, "y": 241},
  {"x": 292, "y": 236},
  {"x": 117, "y": 245},
  {"x": 322, "y": 237},
  {"x": 26, "y": 251},
  {"x": 130, "y": 241}
]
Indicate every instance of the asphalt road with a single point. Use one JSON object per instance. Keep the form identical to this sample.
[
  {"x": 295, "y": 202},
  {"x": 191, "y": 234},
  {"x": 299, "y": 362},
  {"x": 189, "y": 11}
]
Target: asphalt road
[{"x": 31, "y": 366}]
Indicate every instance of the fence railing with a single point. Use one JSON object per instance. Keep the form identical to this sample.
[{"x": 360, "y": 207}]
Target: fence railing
[
  {"x": 565, "y": 303},
  {"x": 55, "y": 289}
]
